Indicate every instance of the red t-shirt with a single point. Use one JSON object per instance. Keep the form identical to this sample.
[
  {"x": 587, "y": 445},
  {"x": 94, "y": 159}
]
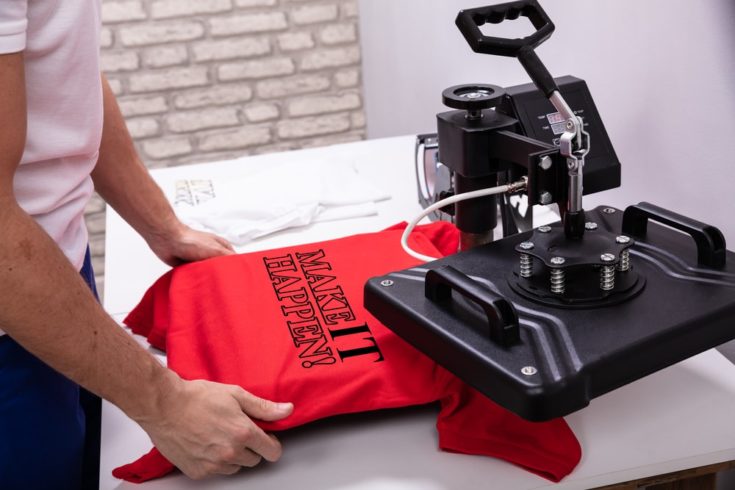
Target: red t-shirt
[{"x": 289, "y": 325}]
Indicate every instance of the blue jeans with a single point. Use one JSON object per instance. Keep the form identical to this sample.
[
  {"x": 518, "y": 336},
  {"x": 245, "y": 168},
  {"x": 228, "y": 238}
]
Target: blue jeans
[{"x": 49, "y": 427}]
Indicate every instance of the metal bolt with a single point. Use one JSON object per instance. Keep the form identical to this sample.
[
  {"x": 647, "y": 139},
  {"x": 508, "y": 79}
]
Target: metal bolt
[
  {"x": 570, "y": 124},
  {"x": 545, "y": 162},
  {"x": 607, "y": 257},
  {"x": 529, "y": 370},
  {"x": 474, "y": 115},
  {"x": 590, "y": 225},
  {"x": 545, "y": 198},
  {"x": 526, "y": 246},
  {"x": 608, "y": 210},
  {"x": 557, "y": 276},
  {"x": 544, "y": 229},
  {"x": 386, "y": 283},
  {"x": 622, "y": 239}
]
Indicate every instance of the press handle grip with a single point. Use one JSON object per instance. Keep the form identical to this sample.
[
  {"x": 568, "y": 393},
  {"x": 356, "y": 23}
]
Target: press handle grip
[
  {"x": 711, "y": 248},
  {"x": 469, "y": 22},
  {"x": 501, "y": 315}
]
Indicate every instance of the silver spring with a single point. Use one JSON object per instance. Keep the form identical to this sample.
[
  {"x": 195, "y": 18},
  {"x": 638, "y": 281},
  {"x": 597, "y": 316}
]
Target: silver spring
[
  {"x": 607, "y": 278},
  {"x": 526, "y": 265},
  {"x": 558, "y": 281},
  {"x": 624, "y": 264}
]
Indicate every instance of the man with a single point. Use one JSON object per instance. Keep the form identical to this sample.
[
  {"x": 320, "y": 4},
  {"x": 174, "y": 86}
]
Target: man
[{"x": 61, "y": 132}]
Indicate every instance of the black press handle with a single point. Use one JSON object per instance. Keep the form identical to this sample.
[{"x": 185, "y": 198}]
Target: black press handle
[
  {"x": 470, "y": 20},
  {"x": 501, "y": 315},
  {"x": 711, "y": 248}
]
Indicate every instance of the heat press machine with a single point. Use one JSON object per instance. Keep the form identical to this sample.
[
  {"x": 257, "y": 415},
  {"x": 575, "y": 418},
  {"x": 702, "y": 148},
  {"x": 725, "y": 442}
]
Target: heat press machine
[{"x": 546, "y": 318}]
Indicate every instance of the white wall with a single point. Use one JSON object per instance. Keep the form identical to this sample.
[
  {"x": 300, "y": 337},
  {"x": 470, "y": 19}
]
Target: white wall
[{"x": 662, "y": 73}]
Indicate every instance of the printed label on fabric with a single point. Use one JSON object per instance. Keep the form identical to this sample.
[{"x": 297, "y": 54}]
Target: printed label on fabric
[
  {"x": 319, "y": 317},
  {"x": 194, "y": 192}
]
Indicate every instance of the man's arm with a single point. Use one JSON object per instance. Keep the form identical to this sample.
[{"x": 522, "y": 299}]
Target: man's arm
[
  {"x": 46, "y": 307},
  {"x": 123, "y": 181}
]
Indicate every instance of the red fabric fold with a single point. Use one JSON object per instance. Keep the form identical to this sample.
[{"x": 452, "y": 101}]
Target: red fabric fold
[{"x": 148, "y": 467}]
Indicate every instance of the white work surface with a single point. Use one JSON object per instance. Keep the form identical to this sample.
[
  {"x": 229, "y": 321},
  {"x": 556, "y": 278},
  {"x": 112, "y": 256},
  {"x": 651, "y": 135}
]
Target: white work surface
[{"x": 679, "y": 418}]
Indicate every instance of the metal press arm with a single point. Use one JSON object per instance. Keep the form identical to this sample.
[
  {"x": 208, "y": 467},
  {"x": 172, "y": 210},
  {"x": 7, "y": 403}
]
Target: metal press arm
[{"x": 575, "y": 142}]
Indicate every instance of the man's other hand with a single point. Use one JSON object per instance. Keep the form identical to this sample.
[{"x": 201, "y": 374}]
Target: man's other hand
[
  {"x": 183, "y": 244},
  {"x": 205, "y": 429}
]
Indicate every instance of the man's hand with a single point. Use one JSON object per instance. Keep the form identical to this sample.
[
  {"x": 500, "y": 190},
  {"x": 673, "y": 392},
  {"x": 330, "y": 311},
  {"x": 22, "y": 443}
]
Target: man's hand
[
  {"x": 203, "y": 428},
  {"x": 123, "y": 181},
  {"x": 183, "y": 244}
]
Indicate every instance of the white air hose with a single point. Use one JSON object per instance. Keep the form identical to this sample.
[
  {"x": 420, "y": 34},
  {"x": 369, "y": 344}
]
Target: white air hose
[{"x": 446, "y": 202}]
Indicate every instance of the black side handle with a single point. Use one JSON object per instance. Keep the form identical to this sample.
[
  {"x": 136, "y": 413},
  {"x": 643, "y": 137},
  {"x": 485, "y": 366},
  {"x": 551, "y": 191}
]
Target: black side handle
[
  {"x": 470, "y": 20},
  {"x": 501, "y": 315},
  {"x": 711, "y": 248}
]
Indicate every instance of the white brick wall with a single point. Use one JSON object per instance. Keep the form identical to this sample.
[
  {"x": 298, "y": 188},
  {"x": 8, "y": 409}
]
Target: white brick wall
[{"x": 203, "y": 80}]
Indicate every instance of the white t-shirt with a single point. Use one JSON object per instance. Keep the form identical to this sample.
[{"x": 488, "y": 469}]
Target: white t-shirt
[
  {"x": 311, "y": 192},
  {"x": 60, "y": 40}
]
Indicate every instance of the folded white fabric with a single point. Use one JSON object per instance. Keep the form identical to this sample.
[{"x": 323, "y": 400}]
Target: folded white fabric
[{"x": 244, "y": 208}]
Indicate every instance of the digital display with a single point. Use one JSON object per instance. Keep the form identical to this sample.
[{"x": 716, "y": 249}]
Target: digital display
[
  {"x": 554, "y": 118},
  {"x": 558, "y": 128}
]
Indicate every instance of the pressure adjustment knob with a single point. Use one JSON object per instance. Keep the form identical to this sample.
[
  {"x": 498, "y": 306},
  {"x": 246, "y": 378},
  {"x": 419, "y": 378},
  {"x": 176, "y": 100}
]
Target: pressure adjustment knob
[{"x": 473, "y": 98}]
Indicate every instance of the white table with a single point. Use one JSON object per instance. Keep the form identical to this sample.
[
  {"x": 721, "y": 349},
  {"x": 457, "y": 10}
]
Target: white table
[{"x": 681, "y": 417}]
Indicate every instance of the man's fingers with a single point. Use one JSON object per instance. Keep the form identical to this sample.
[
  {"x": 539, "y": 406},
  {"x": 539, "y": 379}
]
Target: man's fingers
[
  {"x": 267, "y": 446},
  {"x": 256, "y": 440},
  {"x": 222, "y": 244},
  {"x": 227, "y": 245},
  {"x": 229, "y": 469},
  {"x": 261, "y": 408},
  {"x": 247, "y": 458}
]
